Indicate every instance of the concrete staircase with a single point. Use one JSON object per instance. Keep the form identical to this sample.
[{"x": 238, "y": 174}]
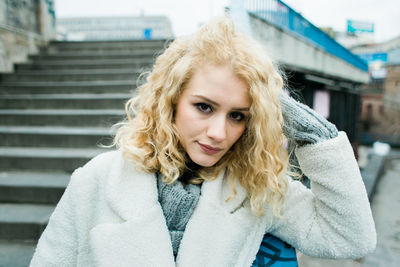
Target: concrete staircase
[{"x": 54, "y": 113}]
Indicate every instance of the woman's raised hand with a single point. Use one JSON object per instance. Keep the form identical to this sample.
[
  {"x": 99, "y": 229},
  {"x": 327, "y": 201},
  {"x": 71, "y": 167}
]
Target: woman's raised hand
[{"x": 302, "y": 124}]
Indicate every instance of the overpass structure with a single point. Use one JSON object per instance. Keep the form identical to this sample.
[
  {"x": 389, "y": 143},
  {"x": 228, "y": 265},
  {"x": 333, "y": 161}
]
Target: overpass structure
[{"x": 327, "y": 75}]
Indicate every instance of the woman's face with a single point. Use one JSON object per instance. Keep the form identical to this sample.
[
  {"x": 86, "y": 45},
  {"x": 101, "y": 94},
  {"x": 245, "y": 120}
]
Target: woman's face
[{"x": 211, "y": 113}]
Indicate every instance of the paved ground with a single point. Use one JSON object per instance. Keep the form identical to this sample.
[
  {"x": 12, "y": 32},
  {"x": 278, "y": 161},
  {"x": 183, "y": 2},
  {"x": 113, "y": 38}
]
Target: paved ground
[{"x": 386, "y": 211}]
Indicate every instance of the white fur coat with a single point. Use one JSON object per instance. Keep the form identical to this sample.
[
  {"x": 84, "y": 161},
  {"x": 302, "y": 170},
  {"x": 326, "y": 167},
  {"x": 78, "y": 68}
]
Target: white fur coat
[{"x": 110, "y": 216}]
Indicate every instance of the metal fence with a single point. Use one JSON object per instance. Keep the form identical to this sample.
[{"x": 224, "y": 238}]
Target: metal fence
[{"x": 282, "y": 16}]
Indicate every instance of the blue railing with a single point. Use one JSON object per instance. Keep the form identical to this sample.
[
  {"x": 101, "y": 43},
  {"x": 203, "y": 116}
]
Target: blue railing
[{"x": 282, "y": 16}]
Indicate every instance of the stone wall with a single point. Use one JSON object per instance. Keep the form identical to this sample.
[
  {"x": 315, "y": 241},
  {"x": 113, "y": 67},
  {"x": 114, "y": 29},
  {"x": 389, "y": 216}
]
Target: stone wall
[
  {"x": 25, "y": 25},
  {"x": 21, "y": 14}
]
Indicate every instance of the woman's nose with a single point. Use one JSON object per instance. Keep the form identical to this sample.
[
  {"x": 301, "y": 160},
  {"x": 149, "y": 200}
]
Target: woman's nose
[{"x": 217, "y": 129}]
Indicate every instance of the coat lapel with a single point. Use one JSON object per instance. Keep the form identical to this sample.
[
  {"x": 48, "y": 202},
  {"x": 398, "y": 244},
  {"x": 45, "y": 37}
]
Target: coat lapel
[
  {"x": 140, "y": 237},
  {"x": 220, "y": 233}
]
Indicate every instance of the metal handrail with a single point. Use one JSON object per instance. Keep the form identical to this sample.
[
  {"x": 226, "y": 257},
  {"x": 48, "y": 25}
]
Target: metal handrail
[{"x": 284, "y": 17}]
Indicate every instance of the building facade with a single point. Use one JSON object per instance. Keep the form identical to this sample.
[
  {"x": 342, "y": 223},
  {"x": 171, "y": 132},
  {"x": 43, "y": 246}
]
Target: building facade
[
  {"x": 114, "y": 28},
  {"x": 391, "y": 97},
  {"x": 381, "y": 96}
]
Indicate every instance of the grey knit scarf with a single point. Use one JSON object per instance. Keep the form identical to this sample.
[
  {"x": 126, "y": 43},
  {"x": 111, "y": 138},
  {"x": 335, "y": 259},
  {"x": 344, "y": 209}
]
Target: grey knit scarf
[{"x": 178, "y": 203}]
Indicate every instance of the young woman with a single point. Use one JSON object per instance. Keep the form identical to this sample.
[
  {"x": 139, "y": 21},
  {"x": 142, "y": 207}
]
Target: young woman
[{"x": 201, "y": 174}]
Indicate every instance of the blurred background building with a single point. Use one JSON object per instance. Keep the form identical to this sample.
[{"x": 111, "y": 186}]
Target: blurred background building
[
  {"x": 380, "y": 112},
  {"x": 114, "y": 28}
]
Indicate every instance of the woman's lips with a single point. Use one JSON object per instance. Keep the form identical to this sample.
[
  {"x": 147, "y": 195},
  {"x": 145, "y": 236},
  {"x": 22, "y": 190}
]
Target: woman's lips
[{"x": 209, "y": 149}]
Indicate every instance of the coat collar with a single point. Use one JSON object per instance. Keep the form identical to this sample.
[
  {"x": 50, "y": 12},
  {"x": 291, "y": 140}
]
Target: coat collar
[
  {"x": 130, "y": 190},
  {"x": 219, "y": 233}
]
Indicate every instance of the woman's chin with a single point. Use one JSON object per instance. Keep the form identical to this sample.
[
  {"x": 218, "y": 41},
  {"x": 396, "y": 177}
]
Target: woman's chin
[{"x": 205, "y": 161}]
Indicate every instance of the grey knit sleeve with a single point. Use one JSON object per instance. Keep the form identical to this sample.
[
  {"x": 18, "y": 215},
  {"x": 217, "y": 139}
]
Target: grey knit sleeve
[{"x": 302, "y": 124}]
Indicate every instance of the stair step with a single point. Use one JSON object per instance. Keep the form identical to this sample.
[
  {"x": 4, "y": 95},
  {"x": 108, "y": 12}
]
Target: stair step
[
  {"x": 23, "y": 221},
  {"x": 82, "y": 65},
  {"x": 46, "y": 136},
  {"x": 68, "y": 84},
  {"x": 16, "y": 253},
  {"x": 56, "y": 130},
  {"x": 104, "y": 63},
  {"x": 102, "y": 71},
  {"x": 107, "y": 44},
  {"x": 32, "y": 187},
  {"x": 66, "y": 101},
  {"x": 124, "y": 51},
  {"x": 86, "y": 75},
  {"x": 61, "y": 117},
  {"x": 63, "y": 87},
  {"x": 93, "y": 56},
  {"x": 53, "y": 50},
  {"x": 55, "y": 112},
  {"x": 39, "y": 159}
]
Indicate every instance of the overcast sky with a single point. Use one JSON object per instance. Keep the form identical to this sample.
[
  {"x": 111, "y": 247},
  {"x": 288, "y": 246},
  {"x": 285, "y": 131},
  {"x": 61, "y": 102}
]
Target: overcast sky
[{"x": 186, "y": 15}]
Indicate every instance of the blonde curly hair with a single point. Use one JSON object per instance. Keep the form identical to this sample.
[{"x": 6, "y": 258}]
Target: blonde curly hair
[{"x": 258, "y": 160}]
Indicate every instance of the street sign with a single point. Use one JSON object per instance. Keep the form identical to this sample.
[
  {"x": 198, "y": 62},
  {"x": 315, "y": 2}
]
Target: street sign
[{"x": 354, "y": 26}]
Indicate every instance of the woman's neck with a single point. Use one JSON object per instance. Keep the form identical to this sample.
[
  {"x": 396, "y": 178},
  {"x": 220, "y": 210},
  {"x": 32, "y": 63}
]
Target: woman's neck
[{"x": 190, "y": 171}]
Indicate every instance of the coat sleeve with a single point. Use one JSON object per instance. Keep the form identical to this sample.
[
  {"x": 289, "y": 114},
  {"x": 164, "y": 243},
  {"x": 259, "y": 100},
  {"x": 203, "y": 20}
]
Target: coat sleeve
[
  {"x": 333, "y": 219},
  {"x": 58, "y": 245}
]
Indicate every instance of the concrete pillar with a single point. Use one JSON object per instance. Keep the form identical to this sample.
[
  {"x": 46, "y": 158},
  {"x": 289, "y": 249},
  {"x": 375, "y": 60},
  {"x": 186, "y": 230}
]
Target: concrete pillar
[
  {"x": 46, "y": 19},
  {"x": 3, "y": 13}
]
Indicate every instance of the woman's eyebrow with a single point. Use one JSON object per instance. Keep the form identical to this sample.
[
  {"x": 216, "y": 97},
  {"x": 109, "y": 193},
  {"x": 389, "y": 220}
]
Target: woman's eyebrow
[
  {"x": 217, "y": 105},
  {"x": 207, "y": 100}
]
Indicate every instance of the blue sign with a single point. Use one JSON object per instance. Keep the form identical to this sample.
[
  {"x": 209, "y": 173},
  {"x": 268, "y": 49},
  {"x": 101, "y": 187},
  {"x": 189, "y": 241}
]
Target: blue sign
[
  {"x": 147, "y": 34},
  {"x": 374, "y": 57},
  {"x": 354, "y": 26}
]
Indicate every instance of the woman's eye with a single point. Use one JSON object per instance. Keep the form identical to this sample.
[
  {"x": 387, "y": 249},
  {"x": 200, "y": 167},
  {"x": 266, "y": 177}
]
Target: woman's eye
[
  {"x": 203, "y": 107},
  {"x": 237, "y": 116}
]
